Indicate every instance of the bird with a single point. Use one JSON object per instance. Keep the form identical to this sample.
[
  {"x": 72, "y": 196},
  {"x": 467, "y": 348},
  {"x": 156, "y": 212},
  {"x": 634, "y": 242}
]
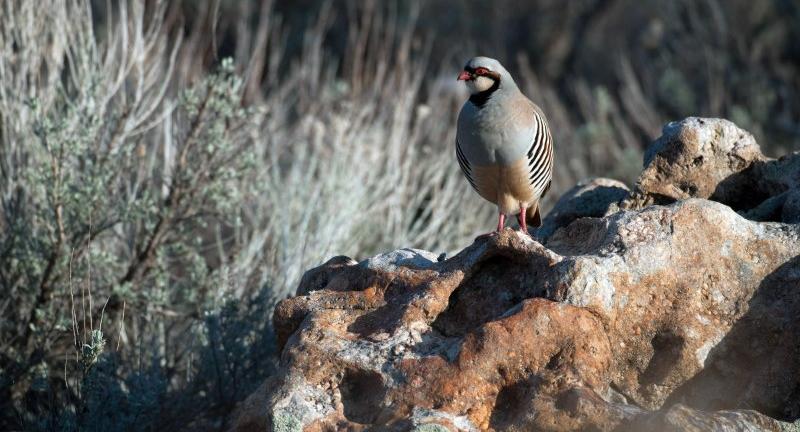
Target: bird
[{"x": 503, "y": 143}]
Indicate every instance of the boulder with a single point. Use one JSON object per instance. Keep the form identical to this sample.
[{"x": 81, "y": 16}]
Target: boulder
[
  {"x": 594, "y": 197},
  {"x": 698, "y": 158},
  {"x": 661, "y": 309},
  {"x": 716, "y": 160}
]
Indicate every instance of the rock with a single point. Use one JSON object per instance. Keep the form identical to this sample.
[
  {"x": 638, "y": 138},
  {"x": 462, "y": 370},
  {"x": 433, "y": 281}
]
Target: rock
[
  {"x": 411, "y": 258},
  {"x": 770, "y": 209},
  {"x": 790, "y": 213},
  {"x": 714, "y": 159},
  {"x": 680, "y": 418},
  {"x": 676, "y": 418},
  {"x": 591, "y": 198},
  {"x": 688, "y": 302},
  {"x": 630, "y": 317},
  {"x": 698, "y": 158},
  {"x": 320, "y": 277},
  {"x": 776, "y": 176}
]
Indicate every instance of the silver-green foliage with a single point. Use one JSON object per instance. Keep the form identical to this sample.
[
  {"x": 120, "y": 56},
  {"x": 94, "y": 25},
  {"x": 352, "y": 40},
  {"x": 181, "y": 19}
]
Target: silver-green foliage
[
  {"x": 114, "y": 183},
  {"x": 150, "y": 216}
]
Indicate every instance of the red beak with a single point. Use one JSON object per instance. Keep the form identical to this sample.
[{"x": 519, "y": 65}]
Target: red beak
[{"x": 464, "y": 76}]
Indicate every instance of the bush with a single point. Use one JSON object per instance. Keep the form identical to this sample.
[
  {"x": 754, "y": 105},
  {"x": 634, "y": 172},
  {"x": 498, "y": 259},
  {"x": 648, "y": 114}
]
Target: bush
[{"x": 121, "y": 196}]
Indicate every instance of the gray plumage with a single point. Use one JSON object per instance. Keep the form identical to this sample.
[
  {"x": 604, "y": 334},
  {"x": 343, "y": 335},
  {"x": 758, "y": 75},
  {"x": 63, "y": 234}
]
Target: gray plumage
[{"x": 503, "y": 142}]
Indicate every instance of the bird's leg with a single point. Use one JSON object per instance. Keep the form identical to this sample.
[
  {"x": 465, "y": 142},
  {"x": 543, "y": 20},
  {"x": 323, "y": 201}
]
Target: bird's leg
[
  {"x": 523, "y": 225},
  {"x": 501, "y": 222}
]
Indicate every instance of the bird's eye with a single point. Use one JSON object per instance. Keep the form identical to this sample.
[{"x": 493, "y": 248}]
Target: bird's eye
[{"x": 481, "y": 71}]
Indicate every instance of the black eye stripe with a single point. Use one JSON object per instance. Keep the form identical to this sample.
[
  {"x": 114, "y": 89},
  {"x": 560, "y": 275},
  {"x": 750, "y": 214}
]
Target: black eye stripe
[
  {"x": 471, "y": 69},
  {"x": 489, "y": 73}
]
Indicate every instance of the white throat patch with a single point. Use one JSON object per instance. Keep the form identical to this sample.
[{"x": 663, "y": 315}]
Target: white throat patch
[{"x": 479, "y": 84}]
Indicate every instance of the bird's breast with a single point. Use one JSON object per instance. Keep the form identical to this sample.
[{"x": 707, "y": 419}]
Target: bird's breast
[{"x": 487, "y": 142}]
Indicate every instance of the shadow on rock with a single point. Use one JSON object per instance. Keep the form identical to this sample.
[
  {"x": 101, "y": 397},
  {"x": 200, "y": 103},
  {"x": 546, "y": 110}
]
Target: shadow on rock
[{"x": 762, "y": 347}]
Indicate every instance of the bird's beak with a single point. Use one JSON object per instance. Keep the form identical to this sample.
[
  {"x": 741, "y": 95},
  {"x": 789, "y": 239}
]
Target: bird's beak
[{"x": 464, "y": 76}]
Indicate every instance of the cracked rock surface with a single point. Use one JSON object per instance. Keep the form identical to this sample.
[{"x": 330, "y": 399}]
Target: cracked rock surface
[{"x": 663, "y": 308}]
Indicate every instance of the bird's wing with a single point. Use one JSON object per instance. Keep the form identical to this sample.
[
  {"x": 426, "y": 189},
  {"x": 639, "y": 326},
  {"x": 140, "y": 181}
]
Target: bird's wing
[
  {"x": 540, "y": 155},
  {"x": 465, "y": 166}
]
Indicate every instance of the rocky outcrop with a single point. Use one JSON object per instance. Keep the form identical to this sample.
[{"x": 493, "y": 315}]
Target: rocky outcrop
[
  {"x": 714, "y": 159},
  {"x": 675, "y": 316}
]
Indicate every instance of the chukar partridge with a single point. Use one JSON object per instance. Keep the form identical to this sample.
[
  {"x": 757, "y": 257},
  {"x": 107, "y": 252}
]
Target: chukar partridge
[{"x": 503, "y": 143}]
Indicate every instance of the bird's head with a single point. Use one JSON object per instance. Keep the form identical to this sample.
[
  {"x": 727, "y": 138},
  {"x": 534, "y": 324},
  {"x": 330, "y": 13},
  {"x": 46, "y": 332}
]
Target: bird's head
[{"x": 483, "y": 73}]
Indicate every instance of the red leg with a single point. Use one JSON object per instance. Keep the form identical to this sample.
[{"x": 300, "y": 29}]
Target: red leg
[
  {"x": 501, "y": 223},
  {"x": 523, "y": 224}
]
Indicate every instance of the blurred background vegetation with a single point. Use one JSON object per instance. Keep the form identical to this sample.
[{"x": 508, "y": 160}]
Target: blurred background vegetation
[{"x": 168, "y": 170}]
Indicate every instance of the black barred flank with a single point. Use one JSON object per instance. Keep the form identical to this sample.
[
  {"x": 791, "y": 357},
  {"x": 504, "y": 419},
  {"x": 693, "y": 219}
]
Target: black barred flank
[
  {"x": 540, "y": 156},
  {"x": 546, "y": 188},
  {"x": 465, "y": 166}
]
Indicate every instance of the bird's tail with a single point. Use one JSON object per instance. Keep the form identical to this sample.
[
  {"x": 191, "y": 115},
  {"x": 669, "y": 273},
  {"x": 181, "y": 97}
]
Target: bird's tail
[{"x": 532, "y": 217}]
